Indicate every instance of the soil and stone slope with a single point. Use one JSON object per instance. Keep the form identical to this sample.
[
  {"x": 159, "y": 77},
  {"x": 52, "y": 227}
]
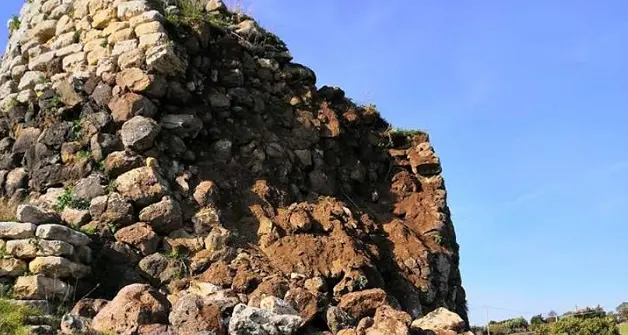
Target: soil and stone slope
[{"x": 178, "y": 173}]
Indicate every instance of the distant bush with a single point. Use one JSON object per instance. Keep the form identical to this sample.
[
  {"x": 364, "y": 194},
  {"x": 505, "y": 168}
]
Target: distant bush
[
  {"x": 579, "y": 326},
  {"x": 12, "y": 318}
]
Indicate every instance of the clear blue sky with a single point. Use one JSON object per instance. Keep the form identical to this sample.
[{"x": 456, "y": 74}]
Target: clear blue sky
[{"x": 527, "y": 105}]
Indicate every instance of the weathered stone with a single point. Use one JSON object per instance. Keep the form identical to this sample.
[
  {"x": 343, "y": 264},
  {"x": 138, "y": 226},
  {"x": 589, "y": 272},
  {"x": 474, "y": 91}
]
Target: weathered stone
[
  {"x": 215, "y": 5},
  {"x": 26, "y": 96},
  {"x": 94, "y": 56},
  {"x": 57, "y": 267},
  {"x": 70, "y": 49},
  {"x": 102, "y": 144},
  {"x": 143, "y": 186},
  {"x": 277, "y": 306},
  {"x": 74, "y": 324},
  {"x": 64, "y": 25},
  {"x": 75, "y": 62},
  {"x": 163, "y": 59},
  {"x": 30, "y": 79},
  {"x": 183, "y": 125},
  {"x": 125, "y": 107},
  {"x": 133, "y": 306},
  {"x": 387, "y": 320},
  {"x": 131, "y": 59},
  {"x": 41, "y": 62},
  {"x": 31, "y": 248},
  {"x": 67, "y": 95},
  {"x": 16, "y": 179},
  {"x": 16, "y": 230},
  {"x": 102, "y": 94},
  {"x": 206, "y": 193},
  {"x": 161, "y": 269},
  {"x": 194, "y": 315},
  {"x": 44, "y": 30},
  {"x": 139, "y": 133},
  {"x": 217, "y": 239},
  {"x": 36, "y": 215},
  {"x": 140, "y": 236},
  {"x": 88, "y": 308},
  {"x": 150, "y": 40},
  {"x": 88, "y": 188},
  {"x": 440, "y": 319},
  {"x": 337, "y": 319},
  {"x": 147, "y": 16},
  {"x": 40, "y": 287},
  {"x": 363, "y": 303},
  {"x": 164, "y": 216},
  {"x": 119, "y": 162},
  {"x": 123, "y": 47},
  {"x": 75, "y": 217},
  {"x": 251, "y": 320},
  {"x": 119, "y": 211},
  {"x": 134, "y": 79},
  {"x": 206, "y": 219},
  {"x": 114, "y": 27},
  {"x": 95, "y": 44},
  {"x": 62, "y": 233},
  {"x": 12, "y": 267},
  {"x": 127, "y": 10},
  {"x": 182, "y": 240},
  {"x": 149, "y": 28},
  {"x": 102, "y": 17}
]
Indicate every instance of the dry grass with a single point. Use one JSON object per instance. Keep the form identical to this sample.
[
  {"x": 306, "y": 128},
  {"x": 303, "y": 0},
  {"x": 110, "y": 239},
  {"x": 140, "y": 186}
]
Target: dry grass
[
  {"x": 7, "y": 210},
  {"x": 623, "y": 328}
]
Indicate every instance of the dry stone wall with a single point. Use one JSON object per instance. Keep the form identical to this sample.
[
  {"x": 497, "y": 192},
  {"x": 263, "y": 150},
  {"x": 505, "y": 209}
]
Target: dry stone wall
[{"x": 175, "y": 165}]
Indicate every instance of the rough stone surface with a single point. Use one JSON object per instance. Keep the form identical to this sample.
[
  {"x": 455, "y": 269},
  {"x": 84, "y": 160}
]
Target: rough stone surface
[
  {"x": 57, "y": 267},
  {"x": 16, "y": 230},
  {"x": 140, "y": 236},
  {"x": 31, "y": 248},
  {"x": 252, "y": 320},
  {"x": 62, "y": 233},
  {"x": 440, "y": 319},
  {"x": 142, "y": 185},
  {"x": 164, "y": 216},
  {"x": 39, "y": 287},
  {"x": 139, "y": 133},
  {"x": 194, "y": 315},
  {"x": 12, "y": 267},
  {"x": 36, "y": 215},
  {"x": 133, "y": 306}
]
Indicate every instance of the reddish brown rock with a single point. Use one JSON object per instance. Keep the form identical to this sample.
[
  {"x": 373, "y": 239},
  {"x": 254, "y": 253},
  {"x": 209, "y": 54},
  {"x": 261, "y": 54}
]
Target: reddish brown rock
[
  {"x": 140, "y": 236},
  {"x": 219, "y": 274},
  {"x": 133, "y": 306},
  {"x": 193, "y": 315},
  {"x": 363, "y": 303},
  {"x": 88, "y": 308}
]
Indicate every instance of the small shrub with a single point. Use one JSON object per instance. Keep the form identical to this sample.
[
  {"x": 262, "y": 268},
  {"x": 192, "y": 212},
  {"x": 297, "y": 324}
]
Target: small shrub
[
  {"x": 67, "y": 200},
  {"x": 14, "y": 23},
  {"x": 438, "y": 238},
  {"x": 104, "y": 43},
  {"x": 55, "y": 101},
  {"x": 111, "y": 187},
  {"x": 84, "y": 155},
  {"x": 579, "y": 326},
  {"x": 12, "y": 318},
  {"x": 76, "y": 129}
]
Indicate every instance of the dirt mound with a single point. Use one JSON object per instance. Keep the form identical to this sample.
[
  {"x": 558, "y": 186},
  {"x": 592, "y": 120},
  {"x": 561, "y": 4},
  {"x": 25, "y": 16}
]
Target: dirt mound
[{"x": 187, "y": 144}]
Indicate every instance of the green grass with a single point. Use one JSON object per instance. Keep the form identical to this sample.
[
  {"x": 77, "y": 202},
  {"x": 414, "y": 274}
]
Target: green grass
[
  {"x": 623, "y": 328},
  {"x": 12, "y": 318}
]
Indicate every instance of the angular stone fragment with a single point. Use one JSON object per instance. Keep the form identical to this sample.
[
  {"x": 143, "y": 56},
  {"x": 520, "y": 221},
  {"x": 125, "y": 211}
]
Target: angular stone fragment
[
  {"x": 44, "y": 30},
  {"x": 363, "y": 303},
  {"x": 12, "y": 267},
  {"x": 251, "y": 320},
  {"x": 102, "y": 17},
  {"x": 62, "y": 233},
  {"x": 123, "y": 47},
  {"x": 149, "y": 28},
  {"x": 183, "y": 125},
  {"x": 36, "y": 215},
  {"x": 277, "y": 306},
  {"x": 129, "y": 9},
  {"x": 31, "y": 248},
  {"x": 140, "y": 236},
  {"x": 163, "y": 59},
  {"x": 75, "y": 217},
  {"x": 139, "y": 133},
  {"x": 194, "y": 315},
  {"x": 134, "y": 79},
  {"x": 439, "y": 319},
  {"x": 128, "y": 105},
  {"x": 164, "y": 216},
  {"x": 57, "y": 267},
  {"x": 131, "y": 59},
  {"x": 40, "y": 287},
  {"x": 143, "y": 186},
  {"x": 16, "y": 230},
  {"x": 30, "y": 79}
]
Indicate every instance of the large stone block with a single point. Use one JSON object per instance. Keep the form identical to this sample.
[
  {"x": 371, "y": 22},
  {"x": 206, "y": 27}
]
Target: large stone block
[
  {"x": 40, "y": 287},
  {"x": 62, "y": 233},
  {"x": 17, "y": 230}
]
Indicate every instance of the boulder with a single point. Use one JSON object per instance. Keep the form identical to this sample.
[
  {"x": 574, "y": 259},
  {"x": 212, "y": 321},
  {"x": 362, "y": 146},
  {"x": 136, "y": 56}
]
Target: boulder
[
  {"x": 134, "y": 79},
  {"x": 88, "y": 308},
  {"x": 180, "y": 239},
  {"x": 143, "y": 186},
  {"x": 36, "y": 215},
  {"x": 57, "y": 267},
  {"x": 247, "y": 320},
  {"x": 388, "y": 321},
  {"x": 17, "y": 230},
  {"x": 31, "y": 248},
  {"x": 440, "y": 319},
  {"x": 161, "y": 269},
  {"x": 140, "y": 236},
  {"x": 117, "y": 210},
  {"x": 206, "y": 193},
  {"x": 12, "y": 267},
  {"x": 139, "y": 133},
  {"x": 88, "y": 188},
  {"x": 75, "y": 217},
  {"x": 62, "y": 233},
  {"x": 134, "y": 305},
  {"x": 363, "y": 303},
  {"x": 182, "y": 125},
  {"x": 164, "y": 216},
  {"x": 129, "y": 105},
  {"x": 192, "y": 314},
  {"x": 40, "y": 287}
]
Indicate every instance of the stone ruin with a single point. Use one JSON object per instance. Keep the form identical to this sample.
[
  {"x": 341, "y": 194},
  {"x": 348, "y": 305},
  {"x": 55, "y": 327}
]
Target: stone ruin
[{"x": 175, "y": 172}]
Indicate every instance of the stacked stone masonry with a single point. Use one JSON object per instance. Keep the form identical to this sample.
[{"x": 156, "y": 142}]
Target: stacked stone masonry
[{"x": 170, "y": 161}]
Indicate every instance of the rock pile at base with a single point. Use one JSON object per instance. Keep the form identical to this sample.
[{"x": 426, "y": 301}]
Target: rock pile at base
[{"x": 175, "y": 166}]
